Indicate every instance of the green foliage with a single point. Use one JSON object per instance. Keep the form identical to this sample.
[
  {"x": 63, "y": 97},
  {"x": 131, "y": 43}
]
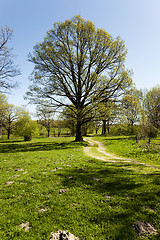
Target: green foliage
[
  {"x": 12, "y": 113},
  {"x": 150, "y": 131},
  {"x": 131, "y": 106},
  {"x": 45, "y": 115},
  {"x": 9, "y": 114},
  {"x": 42, "y": 131},
  {"x": 152, "y": 104},
  {"x": 69, "y": 64},
  {"x": 26, "y": 128},
  {"x": 123, "y": 129}
]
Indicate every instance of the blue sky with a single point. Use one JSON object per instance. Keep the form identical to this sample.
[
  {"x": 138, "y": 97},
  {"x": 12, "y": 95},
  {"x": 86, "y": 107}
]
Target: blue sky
[{"x": 137, "y": 22}]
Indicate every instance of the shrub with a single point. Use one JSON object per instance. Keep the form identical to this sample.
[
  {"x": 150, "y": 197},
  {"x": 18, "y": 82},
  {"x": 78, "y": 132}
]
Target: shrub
[{"x": 26, "y": 128}]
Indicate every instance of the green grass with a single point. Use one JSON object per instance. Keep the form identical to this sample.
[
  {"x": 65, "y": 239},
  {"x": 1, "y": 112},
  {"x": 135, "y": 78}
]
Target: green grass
[
  {"x": 101, "y": 200},
  {"x": 126, "y": 146}
]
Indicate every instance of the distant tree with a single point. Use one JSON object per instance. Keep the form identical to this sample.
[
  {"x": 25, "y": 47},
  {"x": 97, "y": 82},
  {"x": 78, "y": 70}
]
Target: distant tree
[
  {"x": 107, "y": 112},
  {"x": 150, "y": 131},
  {"x": 131, "y": 106},
  {"x": 69, "y": 64},
  {"x": 152, "y": 106},
  {"x": 3, "y": 106},
  {"x": 97, "y": 125},
  {"x": 69, "y": 117},
  {"x": 7, "y": 68},
  {"x": 11, "y": 115},
  {"x": 45, "y": 115},
  {"x": 26, "y": 127}
]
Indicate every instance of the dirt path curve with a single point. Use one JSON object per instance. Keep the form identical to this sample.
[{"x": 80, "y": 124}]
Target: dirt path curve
[{"x": 101, "y": 154}]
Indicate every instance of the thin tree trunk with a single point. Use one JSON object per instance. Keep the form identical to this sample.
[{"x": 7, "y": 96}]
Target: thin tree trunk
[
  {"x": 8, "y": 133},
  {"x": 108, "y": 126},
  {"x": 149, "y": 140},
  {"x": 9, "y": 129}
]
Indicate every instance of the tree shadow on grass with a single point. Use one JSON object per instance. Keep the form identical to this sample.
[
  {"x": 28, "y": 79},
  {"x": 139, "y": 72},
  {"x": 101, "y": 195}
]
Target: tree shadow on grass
[
  {"x": 37, "y": 146},
  {"x": 112, "y": 180},
  {"x": 11, "y": 141},
  {"x": 123, "y": 194}
]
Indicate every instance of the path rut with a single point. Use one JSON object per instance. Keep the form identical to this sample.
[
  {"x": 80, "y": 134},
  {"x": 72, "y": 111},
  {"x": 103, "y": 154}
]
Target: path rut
[{"x": 108, "y": 157}]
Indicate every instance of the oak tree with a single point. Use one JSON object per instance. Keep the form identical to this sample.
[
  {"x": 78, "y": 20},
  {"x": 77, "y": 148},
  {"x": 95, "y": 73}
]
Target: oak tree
[{"x": 69, "y": 64}]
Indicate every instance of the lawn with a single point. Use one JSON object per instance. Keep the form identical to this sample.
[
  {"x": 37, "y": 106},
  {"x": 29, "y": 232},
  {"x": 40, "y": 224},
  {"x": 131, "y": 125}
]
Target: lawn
[
  {"x": 50, "y": 184},
  {"x": 126, "y": 146}
]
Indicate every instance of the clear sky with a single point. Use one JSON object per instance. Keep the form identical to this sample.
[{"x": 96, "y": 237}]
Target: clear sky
[{"x": 137, "y": 22}]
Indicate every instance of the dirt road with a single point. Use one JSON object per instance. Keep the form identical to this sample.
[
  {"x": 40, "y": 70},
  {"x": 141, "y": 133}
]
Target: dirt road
[{"x": 100, "y": 153}]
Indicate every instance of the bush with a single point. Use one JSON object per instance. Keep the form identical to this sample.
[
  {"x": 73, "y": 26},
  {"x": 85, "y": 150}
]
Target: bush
[
  {"x": 122, "y": 129},
  {"x": 26, "y": 128}
]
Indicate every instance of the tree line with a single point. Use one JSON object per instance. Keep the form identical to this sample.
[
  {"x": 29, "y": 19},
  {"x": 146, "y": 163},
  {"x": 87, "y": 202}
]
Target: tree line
[
  {"x": 137, "y": 112},
  {"x": 79, "y": 72}
]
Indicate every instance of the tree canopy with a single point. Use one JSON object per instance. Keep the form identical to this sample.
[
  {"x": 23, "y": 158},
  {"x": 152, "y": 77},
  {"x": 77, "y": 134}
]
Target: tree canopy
[
  {"x": 77, "y": 66},
  {"x": 131, "y": 106},
  {"x": 152, "y": 104}
]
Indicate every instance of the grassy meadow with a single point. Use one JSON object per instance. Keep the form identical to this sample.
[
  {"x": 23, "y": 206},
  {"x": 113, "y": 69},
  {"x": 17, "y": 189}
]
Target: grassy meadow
[
  {"x": 50, "y": 184},
  {"x": 126, "y": 146}
]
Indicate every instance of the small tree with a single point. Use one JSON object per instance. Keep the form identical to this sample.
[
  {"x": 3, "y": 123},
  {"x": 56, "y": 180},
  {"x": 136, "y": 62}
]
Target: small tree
[
  {"x": 12, "y": 114},
  {"x": 69, "y": 116},
  {"x": 107, "y": 112},
  {"x": 45, "y": 115},
  {"x": 131, "y": 106},
  {"x": 152, "y": 105},
  {"x": 150, "y": 131},
  {"x": 26, "y": 128}
]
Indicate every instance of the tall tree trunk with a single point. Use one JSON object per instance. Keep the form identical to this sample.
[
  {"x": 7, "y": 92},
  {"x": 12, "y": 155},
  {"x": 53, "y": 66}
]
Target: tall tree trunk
[
  {"x": 79, "y": 131},
  {"x": 79, "y": 127},
  {"x": 48, "y": 130},
  {"x": 8, "y": 133}
]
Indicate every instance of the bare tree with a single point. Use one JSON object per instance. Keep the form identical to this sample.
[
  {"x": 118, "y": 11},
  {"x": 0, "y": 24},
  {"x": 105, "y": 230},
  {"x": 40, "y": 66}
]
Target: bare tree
[
  {"x": 7, "y": 68},
  {"x": 45, "y": 115}
]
